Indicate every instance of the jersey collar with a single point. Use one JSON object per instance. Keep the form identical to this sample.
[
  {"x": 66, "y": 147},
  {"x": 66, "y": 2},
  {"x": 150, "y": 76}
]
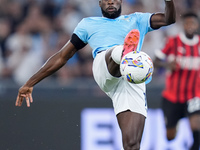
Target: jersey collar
[{"x": 187, "y": 41}]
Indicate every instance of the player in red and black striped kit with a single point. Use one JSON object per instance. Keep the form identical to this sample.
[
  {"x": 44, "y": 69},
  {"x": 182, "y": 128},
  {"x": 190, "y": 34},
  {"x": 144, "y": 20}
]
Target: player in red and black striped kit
[{"x": 181, "y": 96}]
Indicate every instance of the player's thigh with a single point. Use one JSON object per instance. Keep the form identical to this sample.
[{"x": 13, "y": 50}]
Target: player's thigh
[
  {"x": 195, "y": 121},
  {"x": 104, "y": 79},
  {"x": 131, "y": 125}
]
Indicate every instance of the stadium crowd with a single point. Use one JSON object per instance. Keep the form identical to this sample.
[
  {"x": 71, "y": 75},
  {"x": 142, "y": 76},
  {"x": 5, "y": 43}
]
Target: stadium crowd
[{"x": 33, "y": 30}]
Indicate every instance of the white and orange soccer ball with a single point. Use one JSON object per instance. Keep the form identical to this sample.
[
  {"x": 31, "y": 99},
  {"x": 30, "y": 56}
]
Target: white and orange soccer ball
[{"x": 136, "y": 67}]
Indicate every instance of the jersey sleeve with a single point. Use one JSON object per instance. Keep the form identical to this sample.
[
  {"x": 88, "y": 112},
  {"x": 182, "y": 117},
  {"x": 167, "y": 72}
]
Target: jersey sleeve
[
  {"x": 166, "y": 51},
  {"x": 81, "y": 31},
  {"x": 77, "y": 42},
  {"x": 143, "y": 21}
]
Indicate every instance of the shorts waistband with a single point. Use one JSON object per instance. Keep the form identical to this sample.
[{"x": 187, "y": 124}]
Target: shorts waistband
[{"x": 100, "y": 51}]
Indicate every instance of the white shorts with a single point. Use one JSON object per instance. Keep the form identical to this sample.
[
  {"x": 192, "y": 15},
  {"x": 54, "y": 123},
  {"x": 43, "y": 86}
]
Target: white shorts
[{"x": 124, "y": 95}]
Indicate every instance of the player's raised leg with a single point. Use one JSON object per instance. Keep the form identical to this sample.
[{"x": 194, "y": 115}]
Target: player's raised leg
[
  {"x": 115, "y": 54},
  {"x": 131, "y": 123}
]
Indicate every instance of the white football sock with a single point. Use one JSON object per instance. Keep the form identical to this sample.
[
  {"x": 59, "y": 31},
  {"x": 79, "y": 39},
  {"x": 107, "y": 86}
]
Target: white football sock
[{"x": 117, "y": 53}]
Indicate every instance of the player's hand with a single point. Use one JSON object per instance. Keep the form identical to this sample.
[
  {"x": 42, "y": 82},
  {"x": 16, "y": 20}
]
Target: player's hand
[
  {"x": 24, "y": 93},
  {"x": 172, "y": 65}
]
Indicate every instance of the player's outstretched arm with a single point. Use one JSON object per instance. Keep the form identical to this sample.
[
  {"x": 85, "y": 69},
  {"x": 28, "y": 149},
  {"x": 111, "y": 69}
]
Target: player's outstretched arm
[
  {"x": 170, "y": 65},
  {"x": 163, "y": 19},
  {"x": 53, "y": 64}
]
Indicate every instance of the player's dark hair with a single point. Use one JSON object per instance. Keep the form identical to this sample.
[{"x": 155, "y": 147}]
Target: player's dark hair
[{"x": 189, "y": 14}]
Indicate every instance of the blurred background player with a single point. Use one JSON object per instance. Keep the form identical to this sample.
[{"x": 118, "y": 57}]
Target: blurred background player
[{"x": 181, "y": 96}]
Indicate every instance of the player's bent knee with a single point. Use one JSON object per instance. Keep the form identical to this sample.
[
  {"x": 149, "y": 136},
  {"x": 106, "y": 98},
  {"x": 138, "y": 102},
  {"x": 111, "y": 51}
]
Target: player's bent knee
[
  {"x": 117, "y": 53},
  {"x": 131, "y": 143},
  {"x": 131, "y": 146},
  {"x": 171, "y": 137},
  {"x": 171, "y": 133}
]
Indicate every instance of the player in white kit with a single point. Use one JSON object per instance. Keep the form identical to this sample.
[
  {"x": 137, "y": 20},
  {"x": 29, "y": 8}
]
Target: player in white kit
[{"x": 106, "y": 35}]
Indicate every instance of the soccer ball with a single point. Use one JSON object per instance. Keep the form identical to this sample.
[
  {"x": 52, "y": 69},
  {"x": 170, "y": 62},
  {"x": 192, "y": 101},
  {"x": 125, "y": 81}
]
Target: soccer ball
[{"x": 136, "y": 67}]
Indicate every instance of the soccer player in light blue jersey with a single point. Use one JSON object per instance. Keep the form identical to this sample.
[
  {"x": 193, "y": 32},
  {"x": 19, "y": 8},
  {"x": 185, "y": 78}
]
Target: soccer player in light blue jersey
[{"x": 111, "y": 37}]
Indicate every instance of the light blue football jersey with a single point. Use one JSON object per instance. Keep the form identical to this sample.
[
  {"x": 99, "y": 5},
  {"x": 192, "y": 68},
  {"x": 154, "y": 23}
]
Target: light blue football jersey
[{"x": 103, "y": 33}]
